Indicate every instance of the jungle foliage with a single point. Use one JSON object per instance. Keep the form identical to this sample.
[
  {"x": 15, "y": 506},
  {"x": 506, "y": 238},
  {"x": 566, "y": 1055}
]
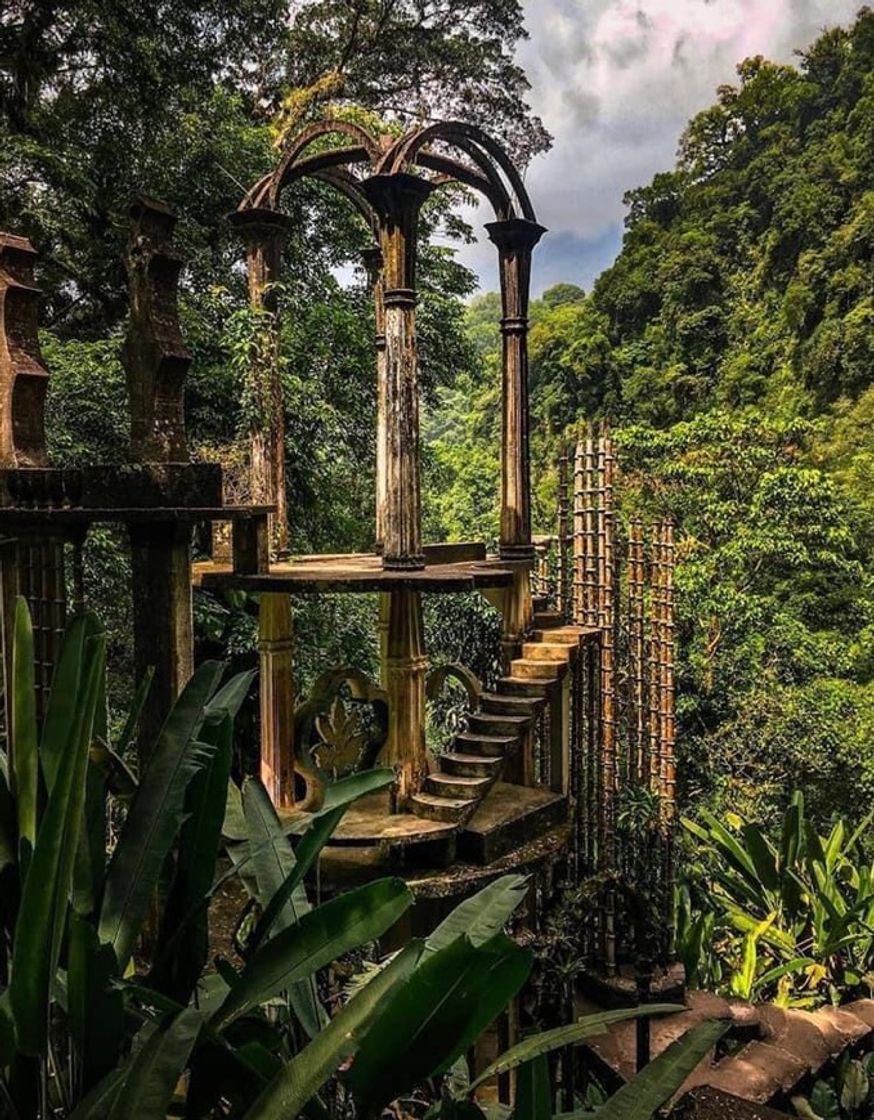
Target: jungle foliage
[
  {"x": 106, "y": 1001},
  {"x": 731, "y": 346}
]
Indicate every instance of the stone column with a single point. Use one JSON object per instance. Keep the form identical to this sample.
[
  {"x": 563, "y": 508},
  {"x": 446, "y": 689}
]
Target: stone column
[
  {"x": 373, "y": 264},
  {"x": 156, "y": 362},
  {"x": 397, "y": 200},
  {"x": 405, "y": 669},
  {"x": 23, "y": 376},
  {"x": 275, "y": 647},
  {"x": 264, "y": 232},
  {"x": 162, "y": 617},
  {"x": 515, "y": 239}
]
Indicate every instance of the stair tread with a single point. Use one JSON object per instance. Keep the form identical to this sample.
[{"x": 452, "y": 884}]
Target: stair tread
[
  {"x": 458, "y": 780},
  {"x": 474, "y": 759},
  {"x": 502, "y": 717},
  {"x": 505, "y": 698},
  {"x": 487, "y": 737},
  {"x": 438, "y": 802},
  {"x": 511, "y": 682}
]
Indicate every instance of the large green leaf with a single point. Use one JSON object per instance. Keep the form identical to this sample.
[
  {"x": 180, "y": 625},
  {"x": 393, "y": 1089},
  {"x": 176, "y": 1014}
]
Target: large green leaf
[
  {"x": 305, "y": 854},
  {"x": 63, "y": 697},
  {"x": 24, "y": 759},
  {"x": 305, "y": 1074},
  {"x": 95, "y": 1008},
  {"x": 42, "y": 916},
  {"x": 180, "y": 959},
  {"x": 656, "y": 1083},
  {"x": 481, "y": 916},
  {"x": 435, "y": 1016},
  {"x": 322, "y": 935},
  {"x": 587, "y": 1027},
  {"x": 149, "y": 1083},
  {"x": 155, "y": 816},
  {"x": 533, "y": 1091},
  {"x": 90, "y": 864},
  {"x": 274, "y": 863}
]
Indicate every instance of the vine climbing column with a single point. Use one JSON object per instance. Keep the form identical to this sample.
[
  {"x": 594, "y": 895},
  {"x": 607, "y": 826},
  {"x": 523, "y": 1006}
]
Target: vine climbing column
[{"x": 264, "y": 232}]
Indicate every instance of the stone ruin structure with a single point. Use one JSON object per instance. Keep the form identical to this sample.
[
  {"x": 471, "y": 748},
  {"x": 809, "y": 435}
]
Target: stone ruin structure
[
  {"x": 582, "y": 713},
  {"x": 531, "y": 778}
]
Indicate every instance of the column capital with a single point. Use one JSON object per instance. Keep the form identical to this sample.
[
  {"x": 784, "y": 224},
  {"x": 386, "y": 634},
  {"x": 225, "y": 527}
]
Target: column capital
[
  {"x": 395, "y": 195},
  {"x": 258, "y": 224},
  {"x": 515, "y": 234}
]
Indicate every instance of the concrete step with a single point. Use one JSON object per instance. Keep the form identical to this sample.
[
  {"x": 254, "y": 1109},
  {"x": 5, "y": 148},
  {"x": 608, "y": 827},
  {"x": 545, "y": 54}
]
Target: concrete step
[
  {"x": 561, "y": 634},
  {"x": 446, "y": 809},
  {"x": 511, "y": 816},
  {"x": 470, "y": 765},
  {"x": 499, "y": 723},
  {"x": 527, "y": 669},
  {"x": 529, "y": 688},
  {"x": 475, "y": 742},
  {"x": 498, "y": 703},
  {"x": 547, "y": 651},
  {"x": 459, "y": 789},
  {"x": 548, "y": 620}
]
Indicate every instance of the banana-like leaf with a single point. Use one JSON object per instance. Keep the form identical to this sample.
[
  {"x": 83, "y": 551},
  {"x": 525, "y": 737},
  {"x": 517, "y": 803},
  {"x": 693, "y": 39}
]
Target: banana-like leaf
[
  {"x": 274, "y": 863},
  {"x": 155, "y": 816},
  {"x": 588, "y": 1027},
  {"x": 229, "y": 698},
  {"x": 179, "y": 961},
  {"x": 763, "y": 856},
  {"x": 305, "y": 854},
  {"x": 149, "y": 1083},
  {"x": 533, "y": 1091},
  {"x": 306, "y": 1073},
  {"x": 322, "y": 935},
  {"x": 63, "y": 697},
  {"x": 42, "y": 916},
  {"x": 23, "y": 754},
  {"x": 129, "y": 731},
  {"x": 90, "y": 865},
  {"x": 481, "y": 916},
  {"x": 95, "y": 1007},
  {"x": 656, "y": 1083},
  {"x": 431, "y": 1020}
]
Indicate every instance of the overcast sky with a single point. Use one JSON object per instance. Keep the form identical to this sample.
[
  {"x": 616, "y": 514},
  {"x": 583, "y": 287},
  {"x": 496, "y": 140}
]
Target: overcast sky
[{"x": 615, "y": 81}]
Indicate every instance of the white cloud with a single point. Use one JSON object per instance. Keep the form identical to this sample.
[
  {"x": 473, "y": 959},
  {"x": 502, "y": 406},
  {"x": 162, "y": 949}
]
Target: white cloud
[{"x": 615, "y": 82}]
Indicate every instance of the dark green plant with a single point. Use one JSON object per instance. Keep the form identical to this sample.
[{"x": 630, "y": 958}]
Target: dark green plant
[
  {"x": 847, "y": 1095},
  {"x": 789, "y": 917}
]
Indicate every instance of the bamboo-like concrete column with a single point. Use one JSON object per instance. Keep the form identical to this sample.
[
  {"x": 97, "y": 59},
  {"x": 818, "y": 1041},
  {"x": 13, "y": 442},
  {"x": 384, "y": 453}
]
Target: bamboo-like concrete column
[
  {"x": 276, "y": 656},
  {"x": 156, "y": 361},
  {"x": 373, "y": 265},
  {"x": 264, "y": 232},
  {"x": 515, "y": 239},
  {"x": 397, "y": 200},
  {"x": 404, "y": 680}
]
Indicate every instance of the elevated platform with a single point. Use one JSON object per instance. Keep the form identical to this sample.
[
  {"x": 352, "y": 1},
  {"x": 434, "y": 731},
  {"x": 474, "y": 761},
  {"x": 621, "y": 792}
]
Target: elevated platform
[
  {"x": 510, "y": 820},
  {"x": 448, "y": 569}
]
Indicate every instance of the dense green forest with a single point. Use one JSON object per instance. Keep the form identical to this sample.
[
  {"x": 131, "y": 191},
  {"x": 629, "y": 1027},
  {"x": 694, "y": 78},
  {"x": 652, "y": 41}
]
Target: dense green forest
[{"x": 731, "y": 344}]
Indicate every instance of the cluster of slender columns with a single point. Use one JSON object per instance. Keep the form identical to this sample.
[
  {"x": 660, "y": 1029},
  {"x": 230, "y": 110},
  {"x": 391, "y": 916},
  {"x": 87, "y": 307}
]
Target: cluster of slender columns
[{"x": 396, "y": 199}]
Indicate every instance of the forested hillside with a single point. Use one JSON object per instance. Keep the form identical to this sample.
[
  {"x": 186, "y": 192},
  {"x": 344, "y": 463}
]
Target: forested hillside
[{"x": 731, "y": 344}]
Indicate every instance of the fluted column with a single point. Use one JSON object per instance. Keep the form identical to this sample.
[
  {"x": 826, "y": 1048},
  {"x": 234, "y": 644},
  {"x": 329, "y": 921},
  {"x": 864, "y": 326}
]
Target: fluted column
[
  {"x": 404, "y": 680},
  {"x": 373, "y": 264},
  {"x": 264, "y": 232},
  {"x": 276, "y": 656},
  {"x": 397, "y": 200},
  {"x": 515, "y": 239}
]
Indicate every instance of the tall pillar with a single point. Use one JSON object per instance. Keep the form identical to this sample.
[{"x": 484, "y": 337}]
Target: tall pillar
[
  {"x": 515, "y": 239},
  {"x": 373, "y": 264},
  {"x": 264, "y": 232},
  {"x": 397, "y": 200},
  {"x": 162, "y": 617},
  {"x": 275, "y": 647},
  {"x": 156, "y": 362},
  {"x": 405, "y": 669}
]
